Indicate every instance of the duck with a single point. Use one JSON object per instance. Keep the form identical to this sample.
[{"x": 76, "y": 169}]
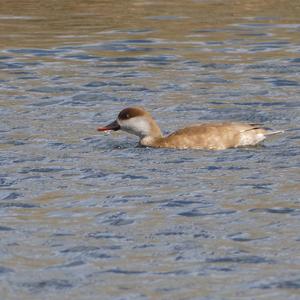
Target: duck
[{"x": 207, "y": 136}]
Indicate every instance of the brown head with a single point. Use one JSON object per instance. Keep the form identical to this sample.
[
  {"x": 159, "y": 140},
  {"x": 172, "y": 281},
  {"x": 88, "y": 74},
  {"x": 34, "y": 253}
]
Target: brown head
[{"x": 134, "y": 120}]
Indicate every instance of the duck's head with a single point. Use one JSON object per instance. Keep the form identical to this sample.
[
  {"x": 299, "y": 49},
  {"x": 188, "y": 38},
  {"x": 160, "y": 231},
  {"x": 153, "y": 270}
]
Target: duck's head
[{"x": 134, "y": 120}]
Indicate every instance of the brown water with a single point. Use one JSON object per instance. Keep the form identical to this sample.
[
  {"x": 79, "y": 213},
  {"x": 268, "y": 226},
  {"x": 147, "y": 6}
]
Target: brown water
[{"x": 91, "y": 216}]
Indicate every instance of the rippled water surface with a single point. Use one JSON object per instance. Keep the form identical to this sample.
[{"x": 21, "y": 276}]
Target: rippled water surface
[{"x": 86, "y": 215}]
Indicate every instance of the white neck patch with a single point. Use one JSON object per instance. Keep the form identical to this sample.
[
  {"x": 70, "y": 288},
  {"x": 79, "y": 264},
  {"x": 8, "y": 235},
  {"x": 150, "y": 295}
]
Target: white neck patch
[{"x": 138, "y": 126}]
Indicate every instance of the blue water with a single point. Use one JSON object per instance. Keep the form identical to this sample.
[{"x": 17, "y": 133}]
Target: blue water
[{"x": 86, "y": 215}]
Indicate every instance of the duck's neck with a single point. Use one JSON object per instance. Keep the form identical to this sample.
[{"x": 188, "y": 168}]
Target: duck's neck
[
  {"x": 150, "y": 141},
  {"x": 153, "y": 136}
]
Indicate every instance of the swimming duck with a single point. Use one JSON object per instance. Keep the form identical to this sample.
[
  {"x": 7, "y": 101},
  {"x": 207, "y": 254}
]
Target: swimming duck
[{"x": 214, "y": 136}]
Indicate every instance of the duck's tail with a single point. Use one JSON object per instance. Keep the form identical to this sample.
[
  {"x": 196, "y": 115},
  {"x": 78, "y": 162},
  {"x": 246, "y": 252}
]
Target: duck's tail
[
  {"x": 264, "y": 130},
  {"x": 268, "y": 133}
]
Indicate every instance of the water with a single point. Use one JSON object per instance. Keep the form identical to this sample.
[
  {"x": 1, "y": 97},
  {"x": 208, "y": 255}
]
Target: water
[{"x": 91, "y": 216}]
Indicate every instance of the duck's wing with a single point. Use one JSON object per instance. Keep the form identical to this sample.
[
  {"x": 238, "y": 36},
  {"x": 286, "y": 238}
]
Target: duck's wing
[{"x": 218, "y": 135}]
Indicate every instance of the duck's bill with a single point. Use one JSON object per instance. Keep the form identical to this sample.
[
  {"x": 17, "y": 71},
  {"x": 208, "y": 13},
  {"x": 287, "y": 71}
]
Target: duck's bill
[{"x": 112, "y": 126}]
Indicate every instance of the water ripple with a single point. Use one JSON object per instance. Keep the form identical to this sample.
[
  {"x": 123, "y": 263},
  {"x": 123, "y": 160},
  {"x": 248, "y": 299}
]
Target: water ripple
[
  {"x": 84, "y": 213},
  {"x": 241, "y": 259}
]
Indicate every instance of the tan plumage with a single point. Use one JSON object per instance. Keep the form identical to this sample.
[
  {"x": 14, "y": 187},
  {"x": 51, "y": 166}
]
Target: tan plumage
[{"x": 215, "y": 136}]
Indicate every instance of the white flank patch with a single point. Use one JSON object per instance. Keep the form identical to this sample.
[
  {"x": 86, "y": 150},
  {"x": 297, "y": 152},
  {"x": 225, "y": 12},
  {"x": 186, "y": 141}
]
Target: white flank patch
[{"x": 250, "y": 139}]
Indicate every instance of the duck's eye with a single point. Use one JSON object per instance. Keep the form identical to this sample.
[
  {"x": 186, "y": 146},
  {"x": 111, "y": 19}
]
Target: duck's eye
[{"x": 125, "y": 115}]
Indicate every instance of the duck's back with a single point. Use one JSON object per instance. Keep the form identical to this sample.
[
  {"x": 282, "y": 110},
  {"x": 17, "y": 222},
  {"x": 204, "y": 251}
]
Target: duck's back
[{"x": 216, "y": 136}]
